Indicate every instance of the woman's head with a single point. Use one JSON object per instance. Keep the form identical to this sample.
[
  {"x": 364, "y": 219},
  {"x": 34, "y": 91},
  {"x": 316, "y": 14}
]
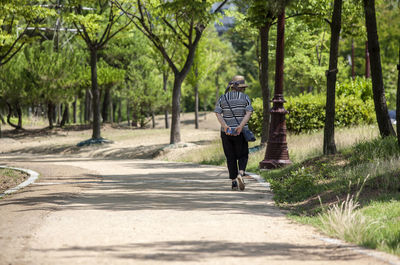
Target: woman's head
[{"x": 237, "y": 83}]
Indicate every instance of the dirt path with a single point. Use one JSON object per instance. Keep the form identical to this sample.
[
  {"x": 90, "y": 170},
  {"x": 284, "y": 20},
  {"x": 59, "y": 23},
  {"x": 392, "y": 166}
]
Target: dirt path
[{"x": 90, "y": 211}]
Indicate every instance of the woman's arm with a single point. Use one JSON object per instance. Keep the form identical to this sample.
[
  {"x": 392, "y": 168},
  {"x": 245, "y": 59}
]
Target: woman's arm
[
  {"x": 222, "y": 121},
  {"x": 246, "y": 118}
]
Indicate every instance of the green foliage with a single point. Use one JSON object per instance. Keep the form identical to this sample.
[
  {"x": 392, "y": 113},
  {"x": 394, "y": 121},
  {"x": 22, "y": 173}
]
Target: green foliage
[
  {"x": 359, "y": 88},
  {"x": 16, "y": 16},
  {"x": 294, "y": 187},
  {"x": 52, "y": 75},
  {"x": 307, "y": 112},
  {"x": 255, "y": 122}
]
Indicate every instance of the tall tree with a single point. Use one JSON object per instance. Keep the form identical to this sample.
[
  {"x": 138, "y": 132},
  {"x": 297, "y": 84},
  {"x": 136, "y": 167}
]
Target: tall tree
[
  {"x": 398, "y": 101},
  {"x": 381, "y": 110},
  {"x": 184, "y": 22},
  {"x": 95, "y": 24},
  {"x": 262, "y": 15},
  {"x": 329, "y": 129}
]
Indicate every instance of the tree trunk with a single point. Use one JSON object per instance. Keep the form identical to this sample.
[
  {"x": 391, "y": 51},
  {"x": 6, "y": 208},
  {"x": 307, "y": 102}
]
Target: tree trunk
[
  {"x": 95, "y": 94},
  {"x": 329, "y": 129},
  {"x": 382, "y": 115},
  {"x": 65, "y": 116},
  {"x": 2, "y": 119},
  {"x": 10, "y": 110},
  {"x": 113, "y": 108},
  {"x": 165, "y": 83},
  {"x": 50, "y": 115},
  {"x": 119, "y": 110},
  {"x": 59, "y": 113},
  {"x": 106, "y": 105},
  {"x": 175, "y": 136},
  {"x": 88, "y": 105},
  {"x": 196, "y": 102},
  {"x": 398, "y": 101},
  {"x": 128, "y": 115},
  {"x": 367, "y": 63},
  {"x": 353, "y": 72},
  {"x": 153, "y": 119},
  {"x": 74, "y": 110},
  {"x": 216, "y": 87},
  {"x": 264, "y": 32},
  {"x": 19, "y": 114}
]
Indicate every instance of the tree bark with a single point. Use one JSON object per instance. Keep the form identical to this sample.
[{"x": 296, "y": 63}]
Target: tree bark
[
  {"x": 58, "y": 113},
  {"x": 65, "y": 116},
  {"x": 263, "y": 76},
  {"x": 106, "y": 105},
  {"x": 398, "y": 101},
  {"x": 216, "y": 87},
  {"x": 2, "y": 119},
  {"x": 175, "y": 136},
  {"x": 113, "y": 108},
  {"x": 329, "y": 129},
  {"x": 196, "y": 102},
  {"x": 128, "y": 115},
  {"x": 153, "y": 119},
  {"x": 88, "y": 105},
  {"x": 367, "y": 62},
  {"x": 74, "y": 110},
  {"x": 165, "y": 83},
  {"x": 381, "y": 110},
  {"x": 50, "y": 115},
  {"x": 353, "y": 72},
  {"x": 119, "y": 110},
  {"x": 96, "y": 95},
  {"x": 10, "y": 111}
]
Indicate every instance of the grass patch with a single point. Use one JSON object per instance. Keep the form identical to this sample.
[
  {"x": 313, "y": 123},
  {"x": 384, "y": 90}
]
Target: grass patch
[{"x": 10, "y": 178}]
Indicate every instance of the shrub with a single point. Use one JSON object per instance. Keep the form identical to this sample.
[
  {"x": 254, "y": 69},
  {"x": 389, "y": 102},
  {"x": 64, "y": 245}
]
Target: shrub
[
  {"x": 307, "y": 112},
  {"x": 255, "y": 123},
  {"x": 296, "y": 186},
  {"x": 359, "y": 88}
]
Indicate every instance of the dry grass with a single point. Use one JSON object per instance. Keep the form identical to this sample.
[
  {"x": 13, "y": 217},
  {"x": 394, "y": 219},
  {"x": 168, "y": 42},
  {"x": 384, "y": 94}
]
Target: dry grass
[{"x": 342, "y": 220}]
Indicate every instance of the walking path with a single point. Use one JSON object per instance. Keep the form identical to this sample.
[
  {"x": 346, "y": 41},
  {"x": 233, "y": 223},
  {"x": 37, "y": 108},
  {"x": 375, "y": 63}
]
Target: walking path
[{"x": 89, "y": 211}]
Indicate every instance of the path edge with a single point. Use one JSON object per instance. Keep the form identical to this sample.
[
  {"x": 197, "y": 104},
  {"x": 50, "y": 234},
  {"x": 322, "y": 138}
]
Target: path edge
[{"x": 33, "y": 176}]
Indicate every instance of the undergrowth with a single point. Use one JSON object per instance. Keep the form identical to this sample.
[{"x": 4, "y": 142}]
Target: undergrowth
[{"x": 353, "y": 195}]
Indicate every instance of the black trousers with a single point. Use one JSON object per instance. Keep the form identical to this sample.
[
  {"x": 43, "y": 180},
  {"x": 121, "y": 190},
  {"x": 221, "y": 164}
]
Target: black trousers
[{"x": 236, "y": 151}]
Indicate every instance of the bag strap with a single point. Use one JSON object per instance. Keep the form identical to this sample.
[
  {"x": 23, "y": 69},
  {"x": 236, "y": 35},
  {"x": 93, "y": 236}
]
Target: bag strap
[{"x": 231, "y": 110}]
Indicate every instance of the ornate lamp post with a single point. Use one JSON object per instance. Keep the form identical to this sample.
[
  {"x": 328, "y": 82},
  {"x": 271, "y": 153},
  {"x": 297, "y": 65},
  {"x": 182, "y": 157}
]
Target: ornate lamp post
[{"x": 277, "y": 154}]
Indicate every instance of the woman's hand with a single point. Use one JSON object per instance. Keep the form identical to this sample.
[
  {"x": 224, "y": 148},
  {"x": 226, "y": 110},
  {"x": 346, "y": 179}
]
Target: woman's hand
[
  {"x": 239, "y": 129},
  {"x": 226, "y": 127}
]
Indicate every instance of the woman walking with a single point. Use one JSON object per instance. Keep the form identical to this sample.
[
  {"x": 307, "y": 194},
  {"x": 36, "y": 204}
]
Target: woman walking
[{"x": 233, "y": 111}]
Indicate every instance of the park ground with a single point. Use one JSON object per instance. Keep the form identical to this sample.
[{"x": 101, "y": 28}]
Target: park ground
[{"x": 134, "y": 201}]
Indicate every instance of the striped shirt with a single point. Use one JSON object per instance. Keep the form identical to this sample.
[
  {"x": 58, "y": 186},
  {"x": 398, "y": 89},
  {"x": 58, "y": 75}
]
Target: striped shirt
[{"x": 240, "y": 103}]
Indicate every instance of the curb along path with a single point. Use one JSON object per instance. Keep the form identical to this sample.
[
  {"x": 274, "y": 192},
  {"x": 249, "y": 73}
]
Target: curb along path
[
  {"x": 152, "y": 212},
  {"x": 32, "y": 178}
]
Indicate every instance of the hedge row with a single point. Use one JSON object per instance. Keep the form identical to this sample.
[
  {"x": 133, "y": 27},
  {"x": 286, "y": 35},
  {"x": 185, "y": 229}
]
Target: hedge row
[{"x": 307, "y": 112}]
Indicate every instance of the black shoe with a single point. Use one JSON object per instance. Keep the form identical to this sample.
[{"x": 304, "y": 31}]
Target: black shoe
[{"x": 234, "y": 185}]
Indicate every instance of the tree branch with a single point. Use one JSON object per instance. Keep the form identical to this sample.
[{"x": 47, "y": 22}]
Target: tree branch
[
  {"x": 176, "y": 33},
  {"x": 220, "y": 6}
]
